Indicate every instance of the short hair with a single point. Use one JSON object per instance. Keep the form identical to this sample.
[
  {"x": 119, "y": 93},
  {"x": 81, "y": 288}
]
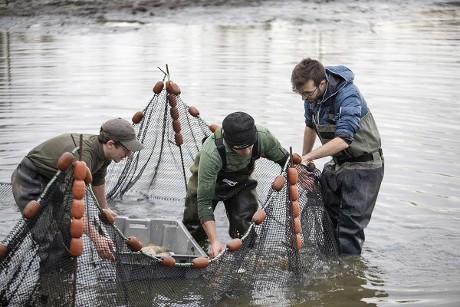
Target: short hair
[
  {"x": 103, "y": 137},
  {"x": 305, "y": 70}
]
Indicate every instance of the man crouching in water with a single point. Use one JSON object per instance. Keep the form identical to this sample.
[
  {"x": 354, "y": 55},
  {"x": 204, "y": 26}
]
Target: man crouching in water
[{"x": 222, "y": 172}]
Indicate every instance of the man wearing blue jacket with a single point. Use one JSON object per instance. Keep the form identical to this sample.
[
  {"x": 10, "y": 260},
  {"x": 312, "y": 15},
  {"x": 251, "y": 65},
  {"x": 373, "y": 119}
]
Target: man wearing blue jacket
[{"x": 337, "y": 113}]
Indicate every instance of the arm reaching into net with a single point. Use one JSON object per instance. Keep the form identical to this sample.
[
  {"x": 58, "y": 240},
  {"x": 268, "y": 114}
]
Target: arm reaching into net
[
  {"x": 104, "y": 246},
  {"x": 329, "y": 149},
  {"x": 215, "y": 246},
  {"x": 99, "y": 192},
  {"x": 308, "y": 178}
]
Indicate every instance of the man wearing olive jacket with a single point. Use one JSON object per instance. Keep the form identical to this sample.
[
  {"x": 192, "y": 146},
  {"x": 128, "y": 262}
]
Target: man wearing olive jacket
[
  {"x": 222, "y": 172},
  {"x": 116, "y": 141}
]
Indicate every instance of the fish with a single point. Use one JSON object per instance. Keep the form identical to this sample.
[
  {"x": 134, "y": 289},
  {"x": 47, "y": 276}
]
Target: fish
[{"x": 155, "y": 250}]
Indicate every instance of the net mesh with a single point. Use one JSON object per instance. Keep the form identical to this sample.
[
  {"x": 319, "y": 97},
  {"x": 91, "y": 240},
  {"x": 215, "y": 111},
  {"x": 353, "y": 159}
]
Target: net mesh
[{"x": 37, "y": 267}]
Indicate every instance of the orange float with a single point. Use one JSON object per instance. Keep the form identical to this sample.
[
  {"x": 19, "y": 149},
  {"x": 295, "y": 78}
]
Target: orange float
[
  {"x": 295, "y": 208},
  {"x": 234, "y": 245},
  {"x": 172, "y": 88},
  {"x": 65, "y": 161},
  {"x": 175, "y": 89},
  {"x": 168, "y": 261},
  {"x": 193, "y": 111},
  {"x": 89, "y": 176},
  {"x": 294, "y": 192},
  {"x": 179, "y": 139},
  {"x": 174, "y": 112},
  {"x": 297, "y": 225},
  {"x": 213, "y": 127},
  {"x": 3, "y": 250},
  {"x": 200, "y": 262},
  {"x": 296, "y": 158},
  {"x": 31, "y": 210},
  {"x": 158, "y": 87},
  {"x": 293, "y": 175},
  {"x": 134, "y": 244},
  {"x": 79, "y": 189},
  {"x": 176, "y": 125},
  {"x": 259, "y": 216},
  {"x": 137, "y": 117},
  {"x": 172, "y": 100},
  {"x": 278, "y": 183},
  {"x": 78, "y": 208},
  {"x": 79, "y": 170},
  {"x": 76, "y": 247},
  {"x": 77, "y": 228}
]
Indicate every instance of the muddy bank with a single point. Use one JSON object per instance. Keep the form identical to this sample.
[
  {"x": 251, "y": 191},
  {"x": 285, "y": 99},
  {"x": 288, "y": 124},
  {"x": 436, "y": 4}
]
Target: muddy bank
[
  {"x": 94, "y": 7},
  {"x": 79, "y": 16},
  {"x": 23, "y": 15}
]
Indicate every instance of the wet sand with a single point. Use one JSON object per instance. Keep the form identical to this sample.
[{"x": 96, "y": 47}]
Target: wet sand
[
  {"x": 90, "y": 8},
  {"x": 24, "y": 14},
  {"x": 94, "y": 15}
]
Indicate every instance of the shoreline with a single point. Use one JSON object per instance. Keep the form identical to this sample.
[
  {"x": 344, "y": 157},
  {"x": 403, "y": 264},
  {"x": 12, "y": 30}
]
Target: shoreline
[
  {"x": 86, "y": 16},
  {"x": 54, "y": 16}
]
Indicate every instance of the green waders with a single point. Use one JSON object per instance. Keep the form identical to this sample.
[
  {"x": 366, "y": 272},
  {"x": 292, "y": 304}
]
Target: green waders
[
  {"x": 239, "y": 196},
  {"x": 46, "y": 230}
]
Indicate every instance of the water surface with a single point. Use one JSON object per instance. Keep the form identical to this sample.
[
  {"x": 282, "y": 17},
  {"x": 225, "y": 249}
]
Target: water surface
[{"x": 406, "y": 60}]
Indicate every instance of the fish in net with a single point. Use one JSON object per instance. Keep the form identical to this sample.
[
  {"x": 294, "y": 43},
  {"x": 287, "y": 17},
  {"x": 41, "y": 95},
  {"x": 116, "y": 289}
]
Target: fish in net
[{"x": 50, "y": 259}]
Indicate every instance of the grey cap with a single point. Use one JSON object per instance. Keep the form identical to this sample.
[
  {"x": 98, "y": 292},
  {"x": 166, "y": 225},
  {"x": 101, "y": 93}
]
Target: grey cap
[{"x": 121, "y": 130}]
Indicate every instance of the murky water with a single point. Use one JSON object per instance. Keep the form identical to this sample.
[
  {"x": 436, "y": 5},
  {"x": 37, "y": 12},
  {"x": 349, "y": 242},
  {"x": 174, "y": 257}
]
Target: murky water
[{"x": 406, "y": 60}]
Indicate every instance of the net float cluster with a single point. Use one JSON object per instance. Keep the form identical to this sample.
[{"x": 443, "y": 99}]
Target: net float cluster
[
  {"x": 293, "y": 178},
  {"x": 77, "y": 225}
]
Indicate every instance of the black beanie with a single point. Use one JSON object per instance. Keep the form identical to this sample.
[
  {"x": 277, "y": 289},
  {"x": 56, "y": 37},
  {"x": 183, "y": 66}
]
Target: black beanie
[{"x": 239, "y": 130}]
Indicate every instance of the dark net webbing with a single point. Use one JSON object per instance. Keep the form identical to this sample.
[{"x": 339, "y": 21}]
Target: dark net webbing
[{"x": 38, "y": 270}]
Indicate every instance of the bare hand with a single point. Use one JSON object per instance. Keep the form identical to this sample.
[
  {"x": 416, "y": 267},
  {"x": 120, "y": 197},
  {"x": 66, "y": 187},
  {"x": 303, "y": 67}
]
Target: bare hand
[
  {"x": 104, "y": 247},
  {"x": 113, "y": 213},
  {"x": 305, "y": 161},
  {"x": 215, "y": 249},
  {"x": 307, "y": 179}
]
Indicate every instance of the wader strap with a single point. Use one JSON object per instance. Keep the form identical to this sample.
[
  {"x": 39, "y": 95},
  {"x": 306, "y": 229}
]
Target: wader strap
[
  {"x": 330, "y": 117},
  {"x": 219, "y": 141},
  {"x": 255, "y": 154},
  {"x": 364, "y": 158},
  {"x": 331, "y": 112}
]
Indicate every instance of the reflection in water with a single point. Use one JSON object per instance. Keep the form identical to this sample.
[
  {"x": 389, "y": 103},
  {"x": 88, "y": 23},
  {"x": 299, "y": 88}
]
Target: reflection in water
[
  {"x": 353, "y": 283},
  {"x": 406, "y": 64},
  {"x": 5, "y": 74}
]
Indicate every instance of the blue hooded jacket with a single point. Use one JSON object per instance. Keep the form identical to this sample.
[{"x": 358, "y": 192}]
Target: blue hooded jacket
[{"x": 349, "y": 104}]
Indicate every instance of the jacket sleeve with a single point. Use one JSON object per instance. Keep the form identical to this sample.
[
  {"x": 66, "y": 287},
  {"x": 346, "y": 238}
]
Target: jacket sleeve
[
  {"x": 272, "y": 149},
  {"x": 308, "y": 113},
  {"x": 349, "y": 113},
  {"x": 208, "y": 170},
  {"x": 99, "y": 175}
]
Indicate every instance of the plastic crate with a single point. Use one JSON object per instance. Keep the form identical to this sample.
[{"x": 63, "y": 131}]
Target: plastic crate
[{"x": 171, "y": 234}]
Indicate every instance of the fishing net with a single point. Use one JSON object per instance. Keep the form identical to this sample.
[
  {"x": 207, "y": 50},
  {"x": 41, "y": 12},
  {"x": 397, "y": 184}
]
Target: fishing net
[{"x": 53, "y": 256}]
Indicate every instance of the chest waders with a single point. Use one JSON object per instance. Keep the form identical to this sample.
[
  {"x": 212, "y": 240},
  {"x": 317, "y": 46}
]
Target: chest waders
[
  {"x": 52, "y": 242},
  {"x": 350, "y": 182},
  {"x": 235, "y": 189}
]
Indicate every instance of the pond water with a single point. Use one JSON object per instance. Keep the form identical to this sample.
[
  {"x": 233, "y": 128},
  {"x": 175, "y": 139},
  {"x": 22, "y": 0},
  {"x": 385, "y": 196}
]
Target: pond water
[{"x": 406, "y": 58}]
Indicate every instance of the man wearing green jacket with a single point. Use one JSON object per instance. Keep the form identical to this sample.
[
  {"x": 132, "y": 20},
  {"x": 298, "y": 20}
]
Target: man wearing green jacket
[
  {"x": 222, "y": 172},
  {"x": 116, "y": 141}
]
